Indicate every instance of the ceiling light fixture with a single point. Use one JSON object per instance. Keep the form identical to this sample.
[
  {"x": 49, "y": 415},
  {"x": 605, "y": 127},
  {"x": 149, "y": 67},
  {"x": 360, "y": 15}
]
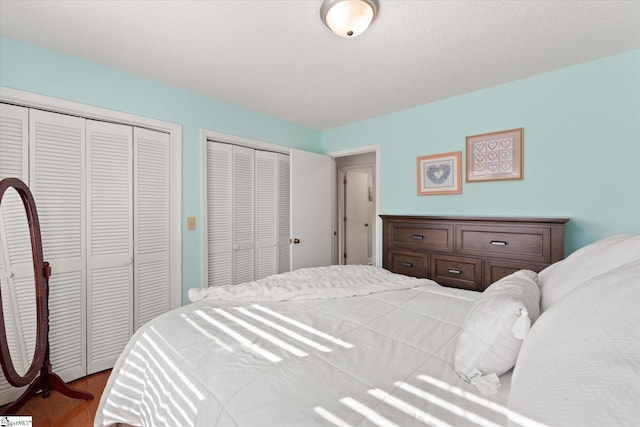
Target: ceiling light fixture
[{"x": 348, "y": 18}]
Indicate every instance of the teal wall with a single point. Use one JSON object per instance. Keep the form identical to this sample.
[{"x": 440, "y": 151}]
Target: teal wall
[
  {"x": 581, "y": 139},
  {"x": 38, "y": 70},
  {"x": 581, "y": 149}
]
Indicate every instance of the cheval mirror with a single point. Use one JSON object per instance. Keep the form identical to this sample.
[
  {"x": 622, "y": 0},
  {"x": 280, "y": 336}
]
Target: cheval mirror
[{"x": 24, "y": 300}]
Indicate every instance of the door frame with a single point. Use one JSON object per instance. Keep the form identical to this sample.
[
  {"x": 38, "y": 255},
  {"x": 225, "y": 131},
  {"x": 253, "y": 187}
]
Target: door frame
[
  {"x": 377, "y": 229},
  {"x": 343, "y": 198},
  {"x": 56, "y": 105}
]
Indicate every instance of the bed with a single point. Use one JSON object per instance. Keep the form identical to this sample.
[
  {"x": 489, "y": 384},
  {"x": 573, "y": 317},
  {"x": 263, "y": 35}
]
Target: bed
[{"x": 359, "y": 345}]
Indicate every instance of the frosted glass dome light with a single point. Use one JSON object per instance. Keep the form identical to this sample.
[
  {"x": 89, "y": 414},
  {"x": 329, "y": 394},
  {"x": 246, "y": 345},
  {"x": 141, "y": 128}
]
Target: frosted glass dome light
[{"x": 348, "y": 18}]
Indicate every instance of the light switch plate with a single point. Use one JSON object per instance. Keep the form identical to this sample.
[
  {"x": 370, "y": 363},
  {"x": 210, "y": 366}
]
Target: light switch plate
[{"x": 191, "y": 223}]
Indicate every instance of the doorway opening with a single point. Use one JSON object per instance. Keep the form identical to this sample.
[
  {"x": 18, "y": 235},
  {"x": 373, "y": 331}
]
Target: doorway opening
[{"x": 356, "y": 218}]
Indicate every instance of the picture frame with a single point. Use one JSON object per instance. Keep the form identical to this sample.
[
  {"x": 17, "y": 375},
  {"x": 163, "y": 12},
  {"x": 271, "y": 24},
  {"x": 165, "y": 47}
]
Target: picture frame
[
  {"x": 440, "y": 174},
  {"x": 495, "y": 156}
]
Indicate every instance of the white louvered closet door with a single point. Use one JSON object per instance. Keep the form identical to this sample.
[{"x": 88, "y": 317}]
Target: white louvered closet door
[
  {"x": 16, "y": 267},
  {"x": 284, "y": 214},
  {"x": 109, "y": 242},
  {"x": 57, "y": 172},
  {"x": 266, "y": 188},
  {"x": 219, "y": 203},
  {"x": 152, "y": 198},
  {"x": 248, "y": 213},
  {"x": 14, "y": 142},
  {"x": 243, "y": 214}
]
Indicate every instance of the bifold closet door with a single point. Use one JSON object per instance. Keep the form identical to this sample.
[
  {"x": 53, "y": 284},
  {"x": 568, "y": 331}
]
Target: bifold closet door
[
  {"x": 247, "y": 212},
  {"x": 266, "y": 188},
  {"x": 219, "y": 202},
  {"x": 284, "y": 214},
  {"x": 104, "y": 198},
  {"x": 243, "y": 214},
  {"x": 230, "y": 199},
  {"x": 57, "y": 181},
  {"x": 152, "y": 205},
  {"x": 16, "y": 265},
  {"x": 14, "y": 142},
  {"x": 272, "y": 213},
  {"x": 110, "y": 242}
]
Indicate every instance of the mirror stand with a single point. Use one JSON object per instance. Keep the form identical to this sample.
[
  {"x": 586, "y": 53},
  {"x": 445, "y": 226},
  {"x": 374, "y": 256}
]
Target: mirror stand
[
  {"x": 47, "y": 380},
  {"x": 39, "y": 376}
]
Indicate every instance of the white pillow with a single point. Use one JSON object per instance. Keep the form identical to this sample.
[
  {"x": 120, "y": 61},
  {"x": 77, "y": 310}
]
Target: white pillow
[
  {"x": 589, "y": 261},
  {"x": 494, "y": 328},
  {"x": 580, "y": 364}
]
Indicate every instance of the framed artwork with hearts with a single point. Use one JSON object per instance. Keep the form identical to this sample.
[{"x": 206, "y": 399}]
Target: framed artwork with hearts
[
  {"x": 495, "y": 156},
  {"x": 440, "y": 174}
]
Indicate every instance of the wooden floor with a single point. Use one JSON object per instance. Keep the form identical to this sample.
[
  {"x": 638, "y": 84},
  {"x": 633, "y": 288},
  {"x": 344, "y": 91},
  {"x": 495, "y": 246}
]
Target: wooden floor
[{"x": 61, "y": 411}]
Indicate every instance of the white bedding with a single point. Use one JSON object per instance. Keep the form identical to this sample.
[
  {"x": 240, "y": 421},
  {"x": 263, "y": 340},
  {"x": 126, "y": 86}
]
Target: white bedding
[{"x": 382, "y": 357}]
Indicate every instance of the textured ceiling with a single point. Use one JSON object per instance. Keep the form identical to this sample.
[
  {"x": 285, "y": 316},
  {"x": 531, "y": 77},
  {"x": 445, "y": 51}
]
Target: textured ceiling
[{"x": 276, "y": 57}]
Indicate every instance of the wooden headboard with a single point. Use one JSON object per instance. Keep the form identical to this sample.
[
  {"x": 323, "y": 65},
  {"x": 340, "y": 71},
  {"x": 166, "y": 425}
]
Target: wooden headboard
[{"x": 469, "y": 252}]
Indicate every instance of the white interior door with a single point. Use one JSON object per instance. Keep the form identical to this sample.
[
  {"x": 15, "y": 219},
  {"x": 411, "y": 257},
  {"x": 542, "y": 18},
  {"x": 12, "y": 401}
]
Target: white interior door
[
  {"x": 357, "y": 222},
  {"x": 310, "y": 209}
]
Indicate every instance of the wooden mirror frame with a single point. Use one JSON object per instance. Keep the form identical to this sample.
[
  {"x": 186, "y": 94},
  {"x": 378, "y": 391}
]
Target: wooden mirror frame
[{"x": 39, "y": 375}]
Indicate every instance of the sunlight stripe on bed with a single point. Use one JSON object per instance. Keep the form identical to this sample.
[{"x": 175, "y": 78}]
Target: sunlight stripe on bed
[
  {"x": 170, "y": 363},
  {"x": 446, "y": 405},
  {"x": 284, "y": 330},
  {"x": 205, "y": 332},
  {"x": 152, "y": 396},
  {"x": 367, "y": 412},
  {"x": 302, "y": 326},
  {"x": 266, "y": 335},
  {"x": 408, "y": 408},
  {"x": 329, "y": 417},
  {"x": 245, "y": 342},
  {"x": 157, "y": 386},
  {"x": 501, "y": 409}
]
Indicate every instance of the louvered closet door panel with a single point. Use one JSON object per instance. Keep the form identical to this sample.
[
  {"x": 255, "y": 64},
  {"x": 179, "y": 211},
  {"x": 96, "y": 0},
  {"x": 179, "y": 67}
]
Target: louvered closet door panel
[
  {"x": 219, "y": 194},
  {"x": 152, "y": 195},
  {"x": 284, "y": 214},
  {"x": 57, "y": 181},
  {"x": 110, "y": 242},
  {"x": 243, "y": 214},
  {"x": 15, "y": 249},
  {"x": 266, "y": 189},
  {"x": 16, "y": 269},
  {"x": 14, "y": 140}
]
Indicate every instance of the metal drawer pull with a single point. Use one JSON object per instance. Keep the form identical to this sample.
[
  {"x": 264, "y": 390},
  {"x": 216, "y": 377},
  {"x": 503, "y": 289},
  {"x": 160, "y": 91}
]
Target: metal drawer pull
[
  {"x": 499, "y": 243},
  {"x": 455, "y": 271},
  {"x": 417, "y": 237},
  {"x": 406, "y": 264}
]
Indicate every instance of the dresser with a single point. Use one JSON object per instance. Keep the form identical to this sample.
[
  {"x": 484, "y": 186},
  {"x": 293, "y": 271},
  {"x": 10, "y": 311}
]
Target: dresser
[{"x": 469, "y": 252}]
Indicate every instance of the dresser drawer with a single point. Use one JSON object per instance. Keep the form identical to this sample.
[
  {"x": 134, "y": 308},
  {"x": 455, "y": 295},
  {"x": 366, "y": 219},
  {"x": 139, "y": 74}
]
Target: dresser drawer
[
  {"x": 408, "y": 263},
  {"x": 431, "y": 237},
  {"x": 470, "y": 252},
  {"x": 459, "y": 272},
  {"x": 495, "y": 270},
  {"x": 521, "y": 243}
]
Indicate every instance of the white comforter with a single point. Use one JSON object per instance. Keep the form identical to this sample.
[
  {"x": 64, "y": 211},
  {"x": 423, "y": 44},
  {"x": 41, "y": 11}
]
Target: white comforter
[{"x": 352, "y": 345}]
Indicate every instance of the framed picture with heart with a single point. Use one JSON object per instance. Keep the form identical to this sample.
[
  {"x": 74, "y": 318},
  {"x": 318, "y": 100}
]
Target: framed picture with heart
[
  {"x": 440, "y": 174},
  {"x": 495, "y": 156}
]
